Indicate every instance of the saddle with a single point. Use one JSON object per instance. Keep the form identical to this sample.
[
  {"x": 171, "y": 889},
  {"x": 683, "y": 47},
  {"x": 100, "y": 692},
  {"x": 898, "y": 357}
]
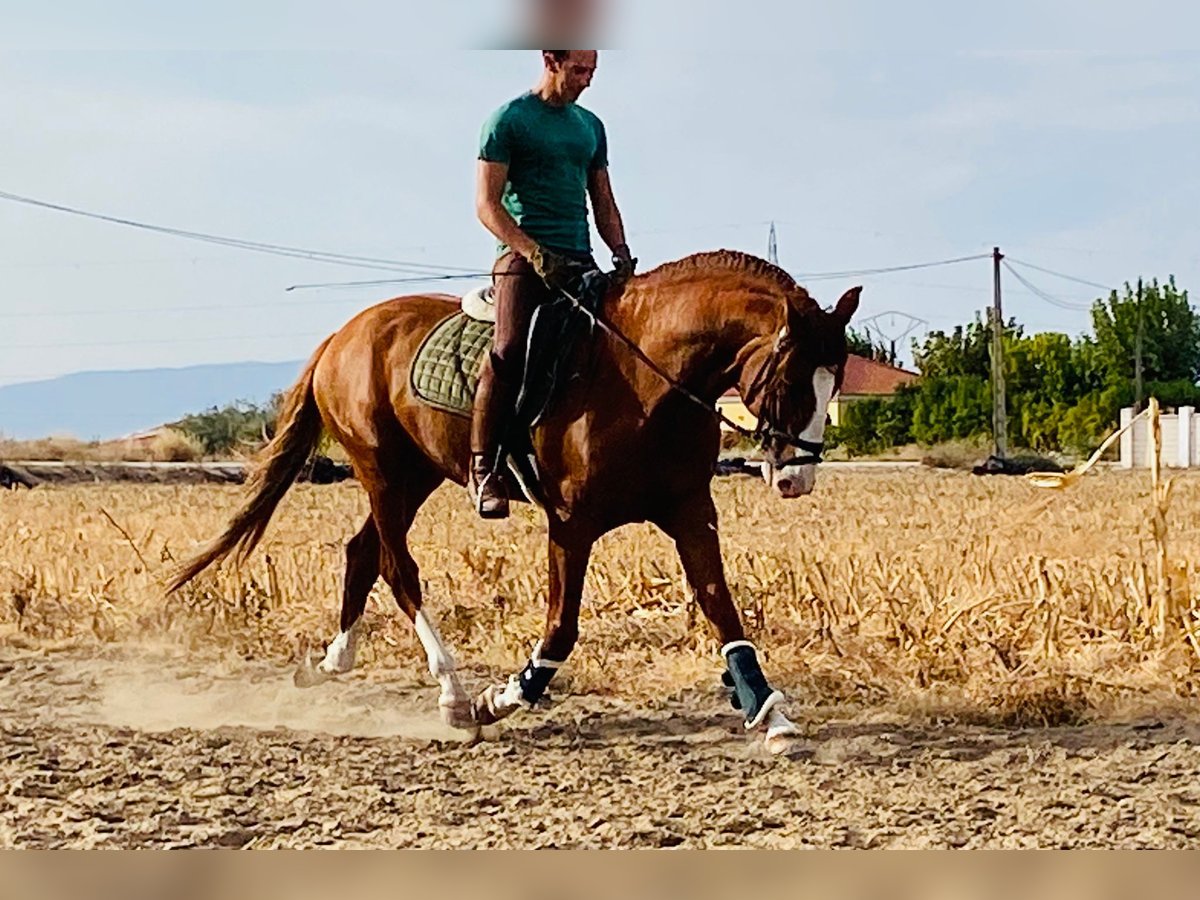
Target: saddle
[{"x": 445, "y": 370}]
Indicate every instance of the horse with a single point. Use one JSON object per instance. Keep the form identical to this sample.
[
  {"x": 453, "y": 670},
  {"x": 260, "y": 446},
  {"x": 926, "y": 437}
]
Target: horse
[{"x": 627, "y": 443}]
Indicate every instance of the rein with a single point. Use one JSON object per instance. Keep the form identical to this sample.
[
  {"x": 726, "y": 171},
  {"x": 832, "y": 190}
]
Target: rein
[{"x": 762, "y": 434}]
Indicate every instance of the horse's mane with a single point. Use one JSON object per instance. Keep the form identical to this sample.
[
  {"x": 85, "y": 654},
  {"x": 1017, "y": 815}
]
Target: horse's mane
[{"x": 726, "y": 260}]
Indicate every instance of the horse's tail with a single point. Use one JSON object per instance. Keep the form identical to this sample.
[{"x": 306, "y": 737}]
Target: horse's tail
[{"x": 297, "y": 434}]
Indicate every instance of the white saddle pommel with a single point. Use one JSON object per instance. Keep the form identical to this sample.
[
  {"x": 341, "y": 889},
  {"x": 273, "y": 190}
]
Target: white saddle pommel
[{"x": 479, "y": 304}]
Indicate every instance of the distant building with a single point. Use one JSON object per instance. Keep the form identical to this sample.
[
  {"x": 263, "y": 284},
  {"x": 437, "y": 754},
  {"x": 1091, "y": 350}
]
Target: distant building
[
  {"x": 864, "y": 378},
  {"x": 141, "y": 440}
]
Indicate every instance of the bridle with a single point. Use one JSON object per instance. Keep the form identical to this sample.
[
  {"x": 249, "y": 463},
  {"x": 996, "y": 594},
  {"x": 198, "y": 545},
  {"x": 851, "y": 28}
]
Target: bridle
[{"x": 766, "y": 432}]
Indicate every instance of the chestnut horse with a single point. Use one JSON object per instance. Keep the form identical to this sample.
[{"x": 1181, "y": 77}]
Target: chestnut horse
[{"x": 621, "y": 445}]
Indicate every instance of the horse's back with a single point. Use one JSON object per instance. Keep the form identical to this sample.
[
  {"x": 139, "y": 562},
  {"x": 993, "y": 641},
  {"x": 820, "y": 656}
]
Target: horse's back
[{"x": 364, "y": 370}]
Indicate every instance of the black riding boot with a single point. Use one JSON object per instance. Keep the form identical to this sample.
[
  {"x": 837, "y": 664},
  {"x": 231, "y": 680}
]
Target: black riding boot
[
  {"x": 489, "y": 492},
  {"x": 493, "y": 401}
]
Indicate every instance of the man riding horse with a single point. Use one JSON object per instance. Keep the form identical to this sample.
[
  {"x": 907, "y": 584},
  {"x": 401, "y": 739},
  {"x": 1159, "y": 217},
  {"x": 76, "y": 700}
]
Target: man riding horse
[
  {"x": 541, "y": 157},
  {"x": 635, "y": 442}
]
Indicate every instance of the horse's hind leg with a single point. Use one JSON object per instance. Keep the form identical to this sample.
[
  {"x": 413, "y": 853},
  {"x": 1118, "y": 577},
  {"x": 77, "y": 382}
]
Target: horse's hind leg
[
  {"x": 693, "y": 527},
  {"x": 395, "y": 499},
  {"x": 362, "y": 571}
]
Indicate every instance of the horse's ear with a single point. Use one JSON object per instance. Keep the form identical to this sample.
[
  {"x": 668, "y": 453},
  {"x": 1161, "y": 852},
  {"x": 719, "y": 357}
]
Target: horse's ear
[
  {"x": 799, "y": 302},
  {"x": 847, "y": 305}
]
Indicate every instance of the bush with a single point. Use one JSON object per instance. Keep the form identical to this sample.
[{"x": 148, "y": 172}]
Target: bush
[
  {"x": 175, "y": 446},
  {"x": 951, "y": 408},
  {"x": 238, "y": 427},
  {"x": 1085, "y": 425}
]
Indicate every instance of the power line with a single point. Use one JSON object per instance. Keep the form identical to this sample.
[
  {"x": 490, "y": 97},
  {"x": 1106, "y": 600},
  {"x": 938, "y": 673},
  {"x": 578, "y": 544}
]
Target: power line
[
  {"x": 259, "y": 336},
  {"x": 342, "y": 259},
  {"x": 1042, "y": 295},
  {"x": 806, "y": 276},
  {"x": 199, "y": 307},
  {"x": 1095, "y": 284},
  {"x": 854, "y": 273},
  {"x": 383, "y": 282}
]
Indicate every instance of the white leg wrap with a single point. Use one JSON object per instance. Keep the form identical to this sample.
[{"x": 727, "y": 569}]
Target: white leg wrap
[
  {"x": 454, "y": 701},
  {"x": 441, "y": 660},
  {"x": 733, "y": 645},
  {"x": 339, "y": 656},
  {"x": 768, "y": 706}
]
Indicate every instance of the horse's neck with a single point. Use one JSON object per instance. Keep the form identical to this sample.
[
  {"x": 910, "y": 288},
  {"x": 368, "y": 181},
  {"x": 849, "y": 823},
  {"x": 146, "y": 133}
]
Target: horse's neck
[{"x": 705, "y": 339}]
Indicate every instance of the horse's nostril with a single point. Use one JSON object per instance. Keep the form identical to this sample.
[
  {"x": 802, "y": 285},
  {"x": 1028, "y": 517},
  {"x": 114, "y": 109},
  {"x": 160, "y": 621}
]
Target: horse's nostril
[{"x": 785, "y": 484}]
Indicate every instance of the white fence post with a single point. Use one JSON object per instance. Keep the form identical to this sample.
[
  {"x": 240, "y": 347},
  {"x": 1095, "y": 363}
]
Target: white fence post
[
  {"x": 1185, "y": 436},
  {"x": 1127, "y": 439}
]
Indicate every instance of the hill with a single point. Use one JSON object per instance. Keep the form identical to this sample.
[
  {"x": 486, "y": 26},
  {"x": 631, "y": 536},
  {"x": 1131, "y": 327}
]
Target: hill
[{"x": 105, "y": 405}]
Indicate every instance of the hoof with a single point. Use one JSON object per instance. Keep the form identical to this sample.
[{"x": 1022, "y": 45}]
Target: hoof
[
  {"x": 782, "y": 736},
  {"x": 339, "y": 655},
  {"x": 780, "y": 743},
  {"x": 458, "y": 714},
  {"x": 492, "y": 705},
  {"x": 307, "y": 675}
]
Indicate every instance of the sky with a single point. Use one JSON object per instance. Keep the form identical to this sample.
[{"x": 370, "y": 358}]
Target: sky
[{"x": 1065, "y": 133}]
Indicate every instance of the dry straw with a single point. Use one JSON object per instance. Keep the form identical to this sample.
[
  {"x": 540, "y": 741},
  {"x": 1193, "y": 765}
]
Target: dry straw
[
  {"x": 1164, "y": 613},
  {"x": 918, "y": 589}
]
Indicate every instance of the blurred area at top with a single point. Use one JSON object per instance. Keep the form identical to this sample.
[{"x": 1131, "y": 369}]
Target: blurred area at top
[{"x": 559, "y": 24}]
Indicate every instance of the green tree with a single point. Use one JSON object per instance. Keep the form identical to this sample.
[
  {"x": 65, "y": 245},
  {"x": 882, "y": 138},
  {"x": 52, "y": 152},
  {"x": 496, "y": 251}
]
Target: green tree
[
  {"x": 1171, "y": 334},
  {"x": 1085, "y": 425},
  {"x": 967, "y": 350},
  {"x": 874, "y": 424},
  {"x": 238, "y": 426},
  {"x": 951, "y": 407},
  {"x": 1046, "y": 374},
  {"x": 860, "y": 343}
]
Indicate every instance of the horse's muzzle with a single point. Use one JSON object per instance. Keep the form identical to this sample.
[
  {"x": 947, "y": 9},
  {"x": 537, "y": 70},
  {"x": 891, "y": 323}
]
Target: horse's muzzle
[{"x": 791, "y": 481}]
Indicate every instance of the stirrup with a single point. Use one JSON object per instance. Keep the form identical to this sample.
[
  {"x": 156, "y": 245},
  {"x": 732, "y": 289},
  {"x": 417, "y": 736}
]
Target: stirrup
[{"x": 497, "y": 503}]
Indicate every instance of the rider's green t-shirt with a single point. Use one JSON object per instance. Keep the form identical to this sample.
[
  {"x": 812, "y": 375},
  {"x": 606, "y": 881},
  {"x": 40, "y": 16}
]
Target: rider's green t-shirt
[{"x": 550, "y": 150}]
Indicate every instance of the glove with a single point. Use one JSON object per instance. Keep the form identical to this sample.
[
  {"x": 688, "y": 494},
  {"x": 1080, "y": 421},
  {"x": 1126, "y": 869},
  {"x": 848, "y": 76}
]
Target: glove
[
  {"x": 623, "y": 264},
  {"x": 552, "y": 268}
]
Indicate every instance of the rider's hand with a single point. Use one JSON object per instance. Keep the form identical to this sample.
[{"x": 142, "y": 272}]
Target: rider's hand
[
  {"x": 552, "y": 268},
  {"x": 623, "y": 264}
]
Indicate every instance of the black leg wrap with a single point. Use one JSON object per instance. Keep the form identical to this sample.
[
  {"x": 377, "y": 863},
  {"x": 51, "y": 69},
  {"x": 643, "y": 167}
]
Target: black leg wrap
[
  {"x": 751, "y": 693},
  {"x": 534, "y": 681},
  {"x": 727, "y": 680}
]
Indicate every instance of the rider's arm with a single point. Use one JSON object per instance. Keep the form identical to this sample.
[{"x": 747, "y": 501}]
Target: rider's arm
[
  {"x": 604, "y": 205},
  {"x": 489, "y": 190}
]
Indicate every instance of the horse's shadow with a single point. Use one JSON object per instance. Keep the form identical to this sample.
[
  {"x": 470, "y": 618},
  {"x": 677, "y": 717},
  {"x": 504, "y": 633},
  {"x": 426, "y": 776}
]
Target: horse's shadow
[{"x": 830, "y": 740}]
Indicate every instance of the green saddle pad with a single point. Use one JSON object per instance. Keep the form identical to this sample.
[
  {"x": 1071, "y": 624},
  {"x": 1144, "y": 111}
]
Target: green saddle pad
[{"x": 446, "y": 368}]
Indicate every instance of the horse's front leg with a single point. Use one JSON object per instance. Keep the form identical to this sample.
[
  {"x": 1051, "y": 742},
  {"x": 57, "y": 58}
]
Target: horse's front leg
[
  {"x": 569, "y": 555},
  {"x": 693, "y": 527}
]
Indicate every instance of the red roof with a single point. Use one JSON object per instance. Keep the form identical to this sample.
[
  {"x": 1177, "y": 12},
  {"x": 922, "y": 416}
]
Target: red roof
[{"x": 867, "y": 376}]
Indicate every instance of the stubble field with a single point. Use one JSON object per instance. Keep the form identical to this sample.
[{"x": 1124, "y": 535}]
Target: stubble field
[{"x": 973, "y": 662}]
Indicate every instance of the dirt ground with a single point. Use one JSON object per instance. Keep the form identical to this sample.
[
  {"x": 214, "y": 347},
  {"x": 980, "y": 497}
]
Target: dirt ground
[{"x": 132, "y": 748}]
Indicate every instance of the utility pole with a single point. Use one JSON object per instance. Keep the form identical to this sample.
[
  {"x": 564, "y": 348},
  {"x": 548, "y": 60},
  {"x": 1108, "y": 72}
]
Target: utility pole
[
  {"x": 772, "y": 247},
  {"x": 1138, "y": 348},
  {"x": 999, "y": 407}
]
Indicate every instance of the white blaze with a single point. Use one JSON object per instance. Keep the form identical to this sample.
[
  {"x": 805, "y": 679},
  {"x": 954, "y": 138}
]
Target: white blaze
[
  {"x": 797, "y": 480},
  {"x": 824, "y": 381}
]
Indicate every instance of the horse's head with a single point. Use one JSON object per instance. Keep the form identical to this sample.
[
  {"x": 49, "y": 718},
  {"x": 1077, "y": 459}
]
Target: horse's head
[{"x": 794, "y": 387}]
